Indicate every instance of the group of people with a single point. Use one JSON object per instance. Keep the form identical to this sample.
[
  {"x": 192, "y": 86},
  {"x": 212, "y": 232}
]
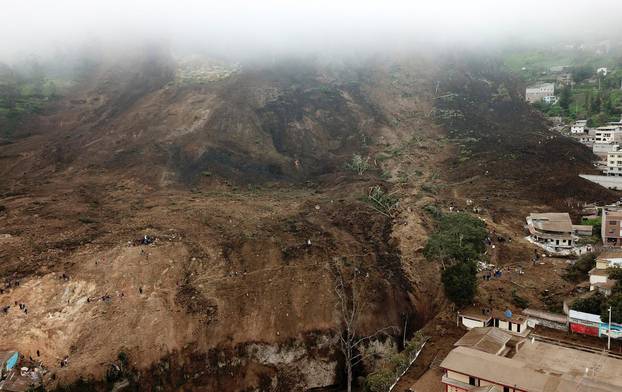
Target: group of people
[
  {"x": 8, "y": 284},
  {"x": 5, "y": 309}
]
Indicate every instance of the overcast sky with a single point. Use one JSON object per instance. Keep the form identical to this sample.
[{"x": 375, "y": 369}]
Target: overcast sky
[{"x": 35, "y": 26}]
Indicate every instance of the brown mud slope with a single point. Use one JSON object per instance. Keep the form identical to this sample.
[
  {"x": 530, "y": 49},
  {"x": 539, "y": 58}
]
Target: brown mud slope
[
  {"x": 242, "y": 183},
  {"x": 506, "y": 152},
  {"x": 292, "y": 121}
]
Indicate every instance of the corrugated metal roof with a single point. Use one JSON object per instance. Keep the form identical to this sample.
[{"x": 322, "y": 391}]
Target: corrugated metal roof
[
  {"x": 503, "y": 370},
  {"x": 556, "y": 317},
  {"x": 551, "y": 221},
  {"x": 487, "y": 339},
  {"x": 584, "y": 316}
]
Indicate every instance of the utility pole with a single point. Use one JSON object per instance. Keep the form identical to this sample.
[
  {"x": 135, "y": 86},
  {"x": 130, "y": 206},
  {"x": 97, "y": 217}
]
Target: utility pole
[{"x": 609, "y": 332}]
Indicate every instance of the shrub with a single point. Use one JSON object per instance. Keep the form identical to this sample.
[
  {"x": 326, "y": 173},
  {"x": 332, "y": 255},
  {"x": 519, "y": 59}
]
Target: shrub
[
  {"x": 615, "y": 273},
  {"x": 578, "y": 271},
  {"x": 615, "y": 301},
  {"x": 433, "y": 210},
  {"x": 358, "y": 164},
  {"x": 519, "y": 301},
  {"x": 460, "y": 282},
  {"x": 382, "y": 201},
  {"x": 591, "y": 304},
  {"x": 379, "y": 381},
  {"x": 382, "y": 379}
]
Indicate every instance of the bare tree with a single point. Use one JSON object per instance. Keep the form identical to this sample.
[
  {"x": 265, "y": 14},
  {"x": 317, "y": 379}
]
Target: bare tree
[{"x": 351, "y": 306}]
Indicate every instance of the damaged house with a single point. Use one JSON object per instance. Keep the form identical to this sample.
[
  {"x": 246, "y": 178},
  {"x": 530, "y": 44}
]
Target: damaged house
[{"x": 554, "y": 232}]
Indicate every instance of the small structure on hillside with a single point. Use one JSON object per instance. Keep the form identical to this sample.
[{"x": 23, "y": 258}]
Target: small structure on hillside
[
  {"x": 507, "y": 320},
  {"x": 473, "y": 318},
  {"x": 536, "y": 93},
  {"x": 587, "y": 138},
  {"x": 18, "y": 374},
  {"x": 510, "y": 322},
  {"x": 599, "y": 275},
  {"x": 8, "y": 362}
]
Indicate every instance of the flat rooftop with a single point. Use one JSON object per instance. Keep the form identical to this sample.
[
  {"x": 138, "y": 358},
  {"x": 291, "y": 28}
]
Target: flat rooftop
[
  {"x": 541, "y": 367},
  {"x": 551, "y": 221},
  {"x": 571, "y": 363}
]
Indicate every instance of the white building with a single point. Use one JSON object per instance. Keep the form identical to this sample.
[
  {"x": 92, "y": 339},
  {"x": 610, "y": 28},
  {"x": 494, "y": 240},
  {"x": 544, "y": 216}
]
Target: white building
[
  {"x": 587, "y": 138},
  {"x": 599, "y": 275},
  {"x": 538, "y": 92},
  {"x": 603, "y": 149},
  {"x": 555, "y": 233},
  {"x": 608, "y": 134},
  {"x": 550, "y": 99},
  {"x": 474, "y": 318},
  {"x": 580, "y": 126},
  {"x": 614, "y": 164},
  {"x": 510, "y": 322}
]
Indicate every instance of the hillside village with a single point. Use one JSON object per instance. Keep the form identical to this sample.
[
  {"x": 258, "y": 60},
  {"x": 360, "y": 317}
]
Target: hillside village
[{"x": 505, "y": 350}]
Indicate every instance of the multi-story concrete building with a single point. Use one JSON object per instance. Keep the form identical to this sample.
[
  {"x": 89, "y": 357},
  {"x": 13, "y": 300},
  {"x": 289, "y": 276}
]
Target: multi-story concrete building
[
  {"x": 489, "y": 357},
  {"x": 603, "y": 149},
  {"x": 550, "y": 99},
  {"x": 579, "y": 127},
  {"x": 538, "y": 92},
  {"x": 608, "y": 134},
  {"x": 587, "y": 138},
  {"x": 611, "y": 227},
  {"x": 614, "y": 164}
]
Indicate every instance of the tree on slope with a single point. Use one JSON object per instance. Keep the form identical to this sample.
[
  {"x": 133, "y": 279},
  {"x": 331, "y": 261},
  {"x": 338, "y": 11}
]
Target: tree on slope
[
  {"x": 350, "y": 305},
  {"x": 460, "y": 282}
]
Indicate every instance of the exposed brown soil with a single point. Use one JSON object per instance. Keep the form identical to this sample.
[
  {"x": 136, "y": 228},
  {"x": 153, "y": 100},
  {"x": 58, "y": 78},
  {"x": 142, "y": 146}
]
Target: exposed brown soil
[{"x": 242, "y": 184}]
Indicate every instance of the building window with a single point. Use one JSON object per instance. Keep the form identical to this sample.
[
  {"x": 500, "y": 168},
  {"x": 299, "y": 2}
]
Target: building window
[
  {"x": 506, "y": 389},
  {"x": 472, "y": 381},
  {"x": 518, "y": 328},
  {"x": 613, "y": 222}
]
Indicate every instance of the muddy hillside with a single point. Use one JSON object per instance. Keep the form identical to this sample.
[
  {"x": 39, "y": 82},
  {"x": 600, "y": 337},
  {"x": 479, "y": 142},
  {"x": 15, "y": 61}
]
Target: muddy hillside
[
  {"x": 506, "y": 153},
  {"x": 170, "y": 228}
]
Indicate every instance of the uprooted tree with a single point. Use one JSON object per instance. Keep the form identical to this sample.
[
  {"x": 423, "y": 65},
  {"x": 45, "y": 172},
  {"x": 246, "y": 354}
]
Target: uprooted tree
[
  {"x": 349, "y": 287},
  {"x": 382, "y": 201},
  {"x": 358, "y": 164}
]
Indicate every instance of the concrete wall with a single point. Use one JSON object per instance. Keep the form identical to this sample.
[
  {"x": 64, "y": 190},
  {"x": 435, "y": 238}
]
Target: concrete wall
[
  {"x": 610, "y": 182},
  {"x": 602, "y": 264},
  {"x": 451, "y": 388},
  {"x": 458, "y": 376},
  {"x": 598, "y": 279},
  {"x": 533, "y": 321},
  {"x": 469, "y": 323}
]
